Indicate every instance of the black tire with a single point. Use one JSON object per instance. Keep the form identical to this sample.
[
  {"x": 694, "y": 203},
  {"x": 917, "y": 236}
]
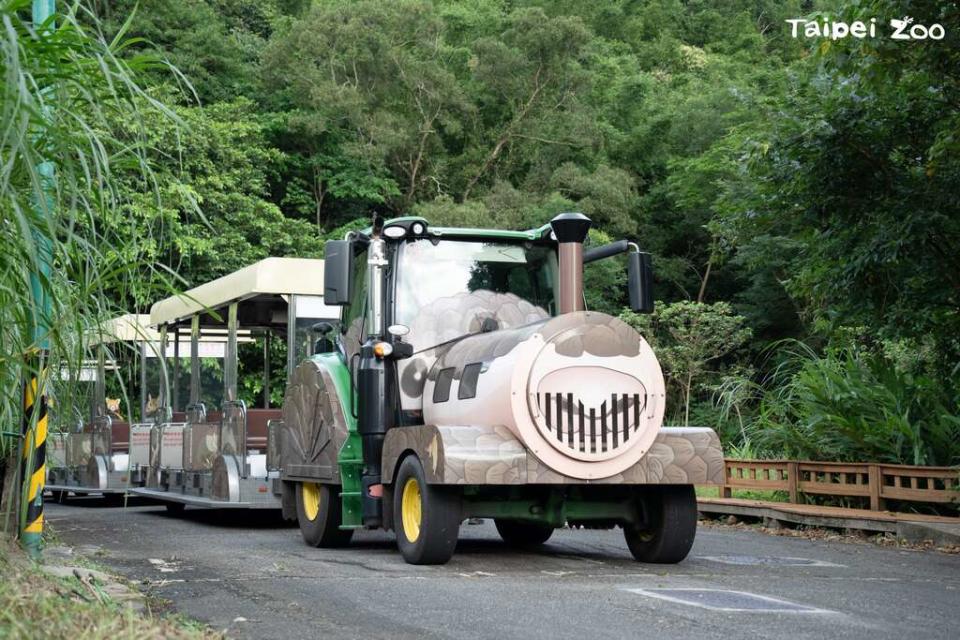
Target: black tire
[
  {"x": 175, "y": 508},
  {"x": 670, "y": 525},
  {"x": 438, "y": 522},
  {"x": 319, "y": 515},
  {"x": 60, "y": 496},
  {"x": 521, "y": 534}
]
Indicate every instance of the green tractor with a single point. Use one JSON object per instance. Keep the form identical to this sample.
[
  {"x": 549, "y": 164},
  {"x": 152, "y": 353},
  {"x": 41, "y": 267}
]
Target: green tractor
[{"x": 467, "y": 380}]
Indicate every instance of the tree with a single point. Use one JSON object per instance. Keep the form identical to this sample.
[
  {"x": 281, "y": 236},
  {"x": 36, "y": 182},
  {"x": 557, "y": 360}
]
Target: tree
[
  {"x": 381, "y": 90},
  {"x": 214, "y": 197},
  {"x": 689, "y": 338}
]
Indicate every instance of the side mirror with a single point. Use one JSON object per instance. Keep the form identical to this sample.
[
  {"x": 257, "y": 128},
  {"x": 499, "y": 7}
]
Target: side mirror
[
  {"x": 640, "y": 281},
  {"x": 337, "y": 272}
]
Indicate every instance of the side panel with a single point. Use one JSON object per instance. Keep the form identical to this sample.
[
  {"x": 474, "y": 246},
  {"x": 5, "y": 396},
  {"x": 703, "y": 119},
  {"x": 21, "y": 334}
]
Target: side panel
[
  {"x": 493, "y": 455},
  {"x": 315, "y": 425}
]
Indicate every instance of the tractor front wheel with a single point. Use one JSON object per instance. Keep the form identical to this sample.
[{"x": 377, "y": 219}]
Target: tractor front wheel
[
  {"x": 669, "y": 524},
  {"x": 426, "y": 517},
  {"x": 518, "y": 533},
  {"x": 319, "y": 515}
]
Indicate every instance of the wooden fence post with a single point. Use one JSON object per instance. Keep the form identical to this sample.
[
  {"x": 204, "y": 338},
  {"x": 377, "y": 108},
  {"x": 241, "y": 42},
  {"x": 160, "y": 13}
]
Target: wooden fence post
[
  {"x": 792, "y": 481},
  {"x": 874, "y": 480},
  {"x": 725, "y": 491}
]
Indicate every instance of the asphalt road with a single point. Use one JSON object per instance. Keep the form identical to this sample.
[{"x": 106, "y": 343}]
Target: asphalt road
[{"x": 253, "y": 577}]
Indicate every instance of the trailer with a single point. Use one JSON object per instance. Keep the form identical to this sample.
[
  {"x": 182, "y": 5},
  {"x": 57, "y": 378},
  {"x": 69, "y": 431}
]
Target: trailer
[
  {"x": 217, "y": 450},
  {"x": 468, "y": 380},
  {"x": 94, "y": 457}
]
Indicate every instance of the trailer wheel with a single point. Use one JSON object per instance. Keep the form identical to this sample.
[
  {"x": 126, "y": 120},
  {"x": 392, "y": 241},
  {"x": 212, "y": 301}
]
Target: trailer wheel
[
  {"x": 319, "y": 515},
  {"x": 518, "y": 533},
  {"x": 666, "y": 536},
  {"x": 60, "y": 496},
  {"x": 426, "y": 517}
]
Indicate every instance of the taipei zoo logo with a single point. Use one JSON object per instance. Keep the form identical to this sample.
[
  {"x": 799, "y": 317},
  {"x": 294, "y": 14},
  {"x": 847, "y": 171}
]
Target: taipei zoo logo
[{"x": 905, "y": 28}]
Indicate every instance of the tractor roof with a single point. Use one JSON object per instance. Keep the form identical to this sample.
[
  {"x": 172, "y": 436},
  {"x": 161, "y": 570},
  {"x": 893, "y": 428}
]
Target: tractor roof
[{"x": 503, "y": 234}]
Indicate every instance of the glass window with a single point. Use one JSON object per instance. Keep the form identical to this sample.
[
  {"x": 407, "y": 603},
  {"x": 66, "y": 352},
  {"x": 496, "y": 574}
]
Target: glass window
[
  {"x": 514, "y": 284},
  {"x": 310, "y": 310}
]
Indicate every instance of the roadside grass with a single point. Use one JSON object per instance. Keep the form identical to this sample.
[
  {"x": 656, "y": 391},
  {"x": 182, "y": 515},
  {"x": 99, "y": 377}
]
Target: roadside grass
[
  {"x": 36, "y": 605},
  {"x": 745, "y": 494}
]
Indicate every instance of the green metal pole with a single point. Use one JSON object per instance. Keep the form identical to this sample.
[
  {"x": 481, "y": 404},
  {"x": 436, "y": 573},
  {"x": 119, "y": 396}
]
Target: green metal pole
[{"x": 34, "y": 395}]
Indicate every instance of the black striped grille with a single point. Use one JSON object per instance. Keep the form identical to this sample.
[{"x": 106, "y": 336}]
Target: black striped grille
[{"x": 591, "y": 429}]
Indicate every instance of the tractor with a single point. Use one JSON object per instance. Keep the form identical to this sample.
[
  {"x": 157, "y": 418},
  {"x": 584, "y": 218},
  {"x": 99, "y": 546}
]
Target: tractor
[{"x": 466, "y": 379}]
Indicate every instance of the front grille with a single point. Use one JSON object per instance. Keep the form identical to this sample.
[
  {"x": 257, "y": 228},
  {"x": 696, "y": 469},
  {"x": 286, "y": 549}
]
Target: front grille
[{"x": 594, "y": 430}]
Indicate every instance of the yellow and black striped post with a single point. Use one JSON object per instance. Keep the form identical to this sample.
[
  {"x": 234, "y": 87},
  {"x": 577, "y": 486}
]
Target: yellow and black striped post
[
  {"x": 34, "y": 461},
  {"x": 34, "y": 464}
]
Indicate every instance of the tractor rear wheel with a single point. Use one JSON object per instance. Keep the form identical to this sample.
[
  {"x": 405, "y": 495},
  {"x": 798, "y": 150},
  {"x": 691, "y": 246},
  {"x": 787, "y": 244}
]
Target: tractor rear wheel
[
  {"x": 319, "y": 515},
  {"x": 669, "y": 515},
  {"x": 518, "y": 533},
  {"x": 426, "y": 517}
]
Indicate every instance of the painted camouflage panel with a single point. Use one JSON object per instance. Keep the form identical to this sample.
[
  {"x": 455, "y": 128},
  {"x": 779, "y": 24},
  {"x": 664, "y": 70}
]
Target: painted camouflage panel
[
  {"x": 438, "y": 326},
  {"x": 493, "y": 455},
  {"x": 314, "y": 426}
]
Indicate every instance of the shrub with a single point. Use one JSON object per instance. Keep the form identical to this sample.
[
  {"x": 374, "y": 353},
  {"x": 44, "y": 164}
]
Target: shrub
[{"x": 852, "y": 405}]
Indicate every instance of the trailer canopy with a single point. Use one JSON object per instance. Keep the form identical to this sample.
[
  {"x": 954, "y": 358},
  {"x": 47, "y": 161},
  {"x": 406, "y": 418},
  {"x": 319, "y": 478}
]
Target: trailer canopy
[{"x": 268, "y": 278}]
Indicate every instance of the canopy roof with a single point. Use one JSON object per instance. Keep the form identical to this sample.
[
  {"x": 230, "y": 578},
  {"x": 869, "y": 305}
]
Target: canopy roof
[
  {"x": 270, "y": 277},
  {"x": 131, "y": 327}
]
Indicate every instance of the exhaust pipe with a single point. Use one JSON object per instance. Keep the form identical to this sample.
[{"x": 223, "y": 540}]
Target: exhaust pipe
[{"x": 571, "y": 230}]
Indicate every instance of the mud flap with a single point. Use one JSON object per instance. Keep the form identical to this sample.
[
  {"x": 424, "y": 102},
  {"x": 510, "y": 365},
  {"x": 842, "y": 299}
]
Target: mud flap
[{"x": 288, "y": 500}]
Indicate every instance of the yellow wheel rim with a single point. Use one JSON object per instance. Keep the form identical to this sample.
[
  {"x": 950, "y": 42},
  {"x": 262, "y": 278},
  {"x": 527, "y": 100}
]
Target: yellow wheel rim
[
  {"x": 310, "y": 492},
  {"x": 411, "y": 506}
]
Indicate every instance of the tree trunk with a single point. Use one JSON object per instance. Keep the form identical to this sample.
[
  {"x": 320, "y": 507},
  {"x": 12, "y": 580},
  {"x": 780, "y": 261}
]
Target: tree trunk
[{"x": 703, "y": 283}]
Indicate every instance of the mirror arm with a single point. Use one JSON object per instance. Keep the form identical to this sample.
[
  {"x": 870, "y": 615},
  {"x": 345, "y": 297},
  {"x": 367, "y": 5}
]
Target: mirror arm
[{"x": 609, "y": 250}]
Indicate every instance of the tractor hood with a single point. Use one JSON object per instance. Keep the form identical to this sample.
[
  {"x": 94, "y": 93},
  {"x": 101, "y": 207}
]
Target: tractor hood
[{"x": 583, "y": 391}]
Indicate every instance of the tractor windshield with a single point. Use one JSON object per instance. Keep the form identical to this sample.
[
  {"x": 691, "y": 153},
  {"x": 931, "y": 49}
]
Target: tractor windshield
[{"x": 454, "y": 287}]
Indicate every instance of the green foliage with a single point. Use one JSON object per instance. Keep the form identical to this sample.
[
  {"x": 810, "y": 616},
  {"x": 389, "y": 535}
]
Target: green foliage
[
  {"x": 852, "y": 187},
  {"x": 854, "y": 405},
  {"x": 214, "y": 195},
  {"x": 64, "y": 90},
  {"x": 690, "y": 340},
  {"x": 792, "y": 190}
]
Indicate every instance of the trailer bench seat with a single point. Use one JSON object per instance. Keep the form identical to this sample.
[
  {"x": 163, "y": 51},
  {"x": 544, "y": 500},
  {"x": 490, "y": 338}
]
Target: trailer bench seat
[
  {"x": 119, "y": 436},
  {"x": 257, "y": 420}
]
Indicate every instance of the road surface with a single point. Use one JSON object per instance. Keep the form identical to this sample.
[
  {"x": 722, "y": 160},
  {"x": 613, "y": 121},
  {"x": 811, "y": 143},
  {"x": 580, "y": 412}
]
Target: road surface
[{"x": 253, "y": 577}]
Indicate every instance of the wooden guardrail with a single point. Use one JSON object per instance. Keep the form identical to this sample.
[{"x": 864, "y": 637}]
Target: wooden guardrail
[{"x": 878, "y": 482}]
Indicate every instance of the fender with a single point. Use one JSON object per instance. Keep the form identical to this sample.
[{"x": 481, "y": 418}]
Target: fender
[
  {"x": 483, "y": 455},
  {"x": 317, "y": 421}
]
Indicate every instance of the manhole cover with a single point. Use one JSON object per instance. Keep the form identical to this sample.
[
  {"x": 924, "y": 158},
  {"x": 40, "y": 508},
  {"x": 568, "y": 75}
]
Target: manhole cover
[
  {"x": 726, "y": 600},
  {"x": 770, "y": 561}
]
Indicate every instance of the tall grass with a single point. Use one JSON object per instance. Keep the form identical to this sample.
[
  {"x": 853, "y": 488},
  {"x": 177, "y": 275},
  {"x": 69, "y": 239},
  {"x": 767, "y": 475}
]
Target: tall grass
[
  {"x": 854, "y": 405},
  {"x": 63, "y": 93}
]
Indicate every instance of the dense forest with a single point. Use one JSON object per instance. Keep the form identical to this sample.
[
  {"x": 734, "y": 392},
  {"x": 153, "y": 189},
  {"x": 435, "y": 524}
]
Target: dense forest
[{"x": 801, "y": 197}]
